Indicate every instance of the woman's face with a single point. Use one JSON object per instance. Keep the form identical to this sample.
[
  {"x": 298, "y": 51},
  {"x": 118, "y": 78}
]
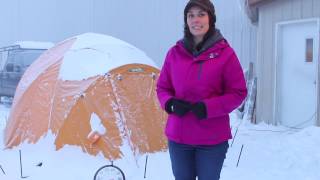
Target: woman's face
[{"x": 198, "y": 22}]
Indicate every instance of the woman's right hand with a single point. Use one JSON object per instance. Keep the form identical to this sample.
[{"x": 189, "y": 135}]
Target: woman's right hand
[{"x": 178, "y": 107}]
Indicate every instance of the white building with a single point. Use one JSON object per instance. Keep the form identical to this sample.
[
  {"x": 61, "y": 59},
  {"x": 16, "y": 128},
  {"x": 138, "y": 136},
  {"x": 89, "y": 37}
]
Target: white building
[{"x": 287, "y": 61}]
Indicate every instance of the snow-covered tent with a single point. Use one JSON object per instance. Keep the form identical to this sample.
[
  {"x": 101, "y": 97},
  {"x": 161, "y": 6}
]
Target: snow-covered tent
[{"x": 93, "y": 91}]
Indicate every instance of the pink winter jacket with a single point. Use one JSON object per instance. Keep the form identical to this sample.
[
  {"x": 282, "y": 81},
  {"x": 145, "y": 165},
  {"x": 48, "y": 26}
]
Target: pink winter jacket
[{"x": 216, "y": 78}]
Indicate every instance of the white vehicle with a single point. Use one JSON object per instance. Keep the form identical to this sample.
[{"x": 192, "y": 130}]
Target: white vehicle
[{"x": 14, "y": 60}]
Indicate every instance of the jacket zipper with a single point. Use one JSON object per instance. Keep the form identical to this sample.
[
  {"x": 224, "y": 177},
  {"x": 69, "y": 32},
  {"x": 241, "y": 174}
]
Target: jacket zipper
[{"x": 200, "y": 69}]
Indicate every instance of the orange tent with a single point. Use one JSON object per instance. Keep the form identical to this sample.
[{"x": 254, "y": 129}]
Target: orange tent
[{"x": 92, "y": 91}]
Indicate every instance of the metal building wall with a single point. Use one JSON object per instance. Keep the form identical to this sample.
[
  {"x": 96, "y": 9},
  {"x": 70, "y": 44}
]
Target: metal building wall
[
  {"x": 153, "y": 26},
  {"x": 237, "y": 28},
  {"x": 269, "y": 15}
]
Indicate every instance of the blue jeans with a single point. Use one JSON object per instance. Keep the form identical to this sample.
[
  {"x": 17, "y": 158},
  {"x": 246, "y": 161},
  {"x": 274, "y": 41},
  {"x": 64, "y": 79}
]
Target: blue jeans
[{"x": 202, "y": 161}]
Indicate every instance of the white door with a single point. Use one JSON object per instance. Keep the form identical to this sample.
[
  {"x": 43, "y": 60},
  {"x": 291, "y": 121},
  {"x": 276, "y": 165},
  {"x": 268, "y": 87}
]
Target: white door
[{"x": 297, "y": 73}]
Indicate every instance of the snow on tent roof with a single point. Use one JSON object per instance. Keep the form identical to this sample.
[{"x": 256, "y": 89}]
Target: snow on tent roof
[
  {"x": 104, "y": 52},
  {"x": 34, "y": 44}
]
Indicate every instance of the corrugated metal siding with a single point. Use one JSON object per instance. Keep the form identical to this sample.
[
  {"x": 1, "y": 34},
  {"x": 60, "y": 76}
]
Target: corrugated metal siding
[
  {"x": 316, "y": 13},
  {"x": 269, "y": 15},
  {"x": 237, "y": 28},
  {"x": 152, "y": 26}
]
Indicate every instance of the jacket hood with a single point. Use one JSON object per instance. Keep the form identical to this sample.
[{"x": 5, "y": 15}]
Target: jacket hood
[{"x": 204, "y": 45}]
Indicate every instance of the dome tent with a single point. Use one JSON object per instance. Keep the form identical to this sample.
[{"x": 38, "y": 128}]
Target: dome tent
[{"x": 89, "y": 83}]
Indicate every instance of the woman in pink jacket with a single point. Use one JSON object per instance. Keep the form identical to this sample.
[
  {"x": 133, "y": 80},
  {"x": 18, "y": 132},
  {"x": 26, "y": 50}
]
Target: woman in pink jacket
[{"x": 200, "y": 83}]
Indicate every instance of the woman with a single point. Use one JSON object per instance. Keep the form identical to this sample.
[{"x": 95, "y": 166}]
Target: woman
[{"x": 200, "y": 83}]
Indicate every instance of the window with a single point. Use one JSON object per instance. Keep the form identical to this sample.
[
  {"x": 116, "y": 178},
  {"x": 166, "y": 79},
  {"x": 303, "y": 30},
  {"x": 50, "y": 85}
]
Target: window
[
  {"x": 309, "y": 50},
  {"x": 3, "y": 58},
  {"x": 24, "y": 57}
]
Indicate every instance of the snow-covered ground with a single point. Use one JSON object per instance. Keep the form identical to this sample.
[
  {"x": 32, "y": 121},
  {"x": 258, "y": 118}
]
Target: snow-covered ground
[{"x": 268, "y": 152}]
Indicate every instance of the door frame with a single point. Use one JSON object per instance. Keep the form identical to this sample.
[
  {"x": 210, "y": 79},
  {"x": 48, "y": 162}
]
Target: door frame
[{"x": 278, "y": 27}]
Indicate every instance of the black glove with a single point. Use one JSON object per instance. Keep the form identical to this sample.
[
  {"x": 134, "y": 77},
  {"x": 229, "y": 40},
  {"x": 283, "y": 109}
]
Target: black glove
[
  {"x": 177, "y": 106},
  {"x": 200, "y": 110}
]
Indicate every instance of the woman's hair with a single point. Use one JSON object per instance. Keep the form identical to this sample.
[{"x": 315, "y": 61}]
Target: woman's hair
[{"x": 205, "y": 5}]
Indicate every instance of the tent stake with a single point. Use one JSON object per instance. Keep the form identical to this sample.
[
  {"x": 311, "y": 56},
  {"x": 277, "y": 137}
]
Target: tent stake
[
  {"x": 2, "y": 170},
  {"x": 21, "y": 166},
  {"x": 145, "y": 167},
  {"x": 235, "y": 135},
  {"x": 240, "y": 155}
]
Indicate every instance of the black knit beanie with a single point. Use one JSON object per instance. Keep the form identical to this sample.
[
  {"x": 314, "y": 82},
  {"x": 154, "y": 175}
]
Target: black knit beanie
[{"x": 207, "y": 6}]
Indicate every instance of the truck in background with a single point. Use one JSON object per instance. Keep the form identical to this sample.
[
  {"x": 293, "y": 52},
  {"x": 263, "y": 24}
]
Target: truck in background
[{"x": 14, "y": 60}]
